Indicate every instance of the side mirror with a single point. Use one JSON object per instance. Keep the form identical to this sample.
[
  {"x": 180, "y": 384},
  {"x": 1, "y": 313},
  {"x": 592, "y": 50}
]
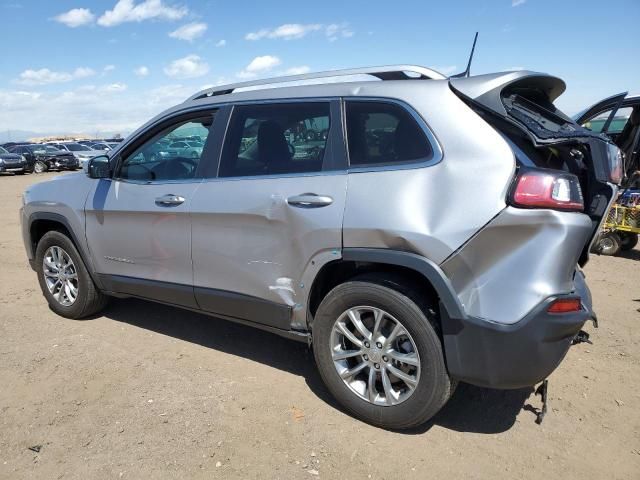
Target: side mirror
[{"x": 99, "y": 167}]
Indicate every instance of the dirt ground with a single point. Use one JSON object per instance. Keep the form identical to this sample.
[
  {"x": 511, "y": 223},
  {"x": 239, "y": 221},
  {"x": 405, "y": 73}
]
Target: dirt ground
[{"x": 148, "y": 391}]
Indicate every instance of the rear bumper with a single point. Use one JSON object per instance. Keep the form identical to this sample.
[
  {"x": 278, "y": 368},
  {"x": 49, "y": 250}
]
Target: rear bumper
[{"x": 513, "y": 356}]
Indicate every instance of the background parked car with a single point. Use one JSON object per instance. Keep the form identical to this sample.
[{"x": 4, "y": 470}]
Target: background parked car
[
  {"x": 82, "y": 152},
  {"x": 185, "y": 149},
  {"x": 105, "y": 146},
  {"x": 46, "y": 157},
  {"x": 12, "y": 162},
  {"x": 618, "y": 117}
]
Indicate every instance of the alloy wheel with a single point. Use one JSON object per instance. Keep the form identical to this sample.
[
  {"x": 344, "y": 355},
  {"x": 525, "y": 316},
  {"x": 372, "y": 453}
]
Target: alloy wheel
[
  {"x": 375, "y": 356},
  {"x": 39, "y": 167},
  {"x": 60, "y": 276}
]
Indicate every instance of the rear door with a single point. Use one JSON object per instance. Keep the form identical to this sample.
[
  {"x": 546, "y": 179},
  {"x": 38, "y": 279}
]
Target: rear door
[
  {"x": 273, "y": 213},
  {"x": 138, "y": 223}
]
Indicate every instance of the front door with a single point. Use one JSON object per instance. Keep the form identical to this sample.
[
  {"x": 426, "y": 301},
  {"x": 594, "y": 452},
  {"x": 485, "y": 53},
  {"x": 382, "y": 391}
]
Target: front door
[
  {"x": 138, "y": 222},
  {"x": 273, "y": 213}
]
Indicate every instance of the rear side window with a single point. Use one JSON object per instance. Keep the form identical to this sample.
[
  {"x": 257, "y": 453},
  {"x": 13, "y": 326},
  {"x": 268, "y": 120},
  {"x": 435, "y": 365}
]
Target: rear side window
[
  {"x": 380, "y": 133},
  {"x": 276, "y": 139}
]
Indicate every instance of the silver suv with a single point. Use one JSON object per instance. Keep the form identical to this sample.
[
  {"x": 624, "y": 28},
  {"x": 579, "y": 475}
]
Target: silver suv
[{"x": 416, "y": 230}]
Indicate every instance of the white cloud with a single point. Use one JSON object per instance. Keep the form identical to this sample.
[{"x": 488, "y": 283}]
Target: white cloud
[
  {"x": 302, "y": 69},
  {"x": 128, "y": 11},
  {"x": 190, "y": 66},
  {"x": 259, "y": 65},
  {"x": 76, "y": 17},
  {"x": 190, "y": 31},
  {"x": 141, "y": 71},
  {"x": 517, "y": 3},
  {"x": 338, "y": 30},
  {"x": 288, "y": 31},
  {"x": 221, "y": 43},
  {"x": 109, "y": 68},
  {"x": 291, "y": 31},
  {"x": 45, "y": 76},
  {"x": 85, "y": 109}
]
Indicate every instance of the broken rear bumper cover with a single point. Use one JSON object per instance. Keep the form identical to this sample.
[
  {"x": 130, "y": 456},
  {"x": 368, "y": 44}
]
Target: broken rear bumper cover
[{"x": 520, "y": 355}]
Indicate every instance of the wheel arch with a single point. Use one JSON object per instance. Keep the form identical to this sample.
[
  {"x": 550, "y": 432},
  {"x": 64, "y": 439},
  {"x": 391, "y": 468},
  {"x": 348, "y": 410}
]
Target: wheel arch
[
  {"x": 42, "y": 222},
  {"x": 413, "y": 267}
]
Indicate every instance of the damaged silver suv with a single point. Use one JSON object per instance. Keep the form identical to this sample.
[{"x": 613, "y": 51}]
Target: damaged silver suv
[{"x": 416, "y": 230}]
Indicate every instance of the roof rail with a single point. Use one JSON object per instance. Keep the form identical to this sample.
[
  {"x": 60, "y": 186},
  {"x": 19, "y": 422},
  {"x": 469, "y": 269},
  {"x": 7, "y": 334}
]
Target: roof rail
[{"x": 389, "y": 72}]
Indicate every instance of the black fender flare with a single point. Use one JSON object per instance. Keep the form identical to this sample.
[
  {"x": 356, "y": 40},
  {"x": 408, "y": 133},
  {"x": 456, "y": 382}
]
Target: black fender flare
[
  {"x": 61, "y": 219},
  {"x": 430, "y": 270}
]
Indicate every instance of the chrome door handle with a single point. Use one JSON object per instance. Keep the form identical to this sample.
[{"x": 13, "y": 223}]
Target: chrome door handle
[
  {"x": 309, "y": 200},
  {"x": 169, "y": 200}
]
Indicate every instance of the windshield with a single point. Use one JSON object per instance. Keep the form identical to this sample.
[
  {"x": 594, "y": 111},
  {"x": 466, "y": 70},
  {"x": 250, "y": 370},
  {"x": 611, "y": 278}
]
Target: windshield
[
  {"x": 76, "y": 147},
  {"x": 3, "y": 151},
  {"x": 47, "y": 148}
]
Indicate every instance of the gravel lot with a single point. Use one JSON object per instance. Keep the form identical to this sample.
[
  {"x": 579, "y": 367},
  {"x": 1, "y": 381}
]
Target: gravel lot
[{"x": 148, "y": 391}]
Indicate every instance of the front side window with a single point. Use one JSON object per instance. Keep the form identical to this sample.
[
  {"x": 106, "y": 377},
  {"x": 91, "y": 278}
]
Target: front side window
[
  {"x": 276, "y": 139},
  {"x": 164, "y": 157},
  {"x": 380, "y": 133}
]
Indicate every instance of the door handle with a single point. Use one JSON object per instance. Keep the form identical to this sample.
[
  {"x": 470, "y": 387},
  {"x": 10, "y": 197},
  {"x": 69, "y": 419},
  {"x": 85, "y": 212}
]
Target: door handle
[
  {"x": 309, "y": 200},
  {"x": 169, "y": 200}
]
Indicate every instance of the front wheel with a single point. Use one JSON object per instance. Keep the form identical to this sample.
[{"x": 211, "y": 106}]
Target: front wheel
[
  {"x": 64, "y": 279},
  {"x": 379, "y": 355},
  {"x": 40, "y": 167}
]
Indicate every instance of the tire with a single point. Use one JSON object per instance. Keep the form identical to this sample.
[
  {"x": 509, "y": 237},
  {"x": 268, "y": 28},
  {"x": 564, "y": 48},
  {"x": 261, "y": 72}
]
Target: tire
[
  {"x": 628, "y": 240},
  {"x": 40, "y": 167},
  {"x": 434, "y": 387},
  {"x": 89, "y": 299},
  {"x": 609, "y": 244}
]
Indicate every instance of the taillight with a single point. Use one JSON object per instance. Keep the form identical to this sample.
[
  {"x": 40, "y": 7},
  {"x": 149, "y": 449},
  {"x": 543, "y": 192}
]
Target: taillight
[
  {"x": 565, "y": 305},
  {"x": 616, "y": 167},
  {"x": 547, "y": 189}
]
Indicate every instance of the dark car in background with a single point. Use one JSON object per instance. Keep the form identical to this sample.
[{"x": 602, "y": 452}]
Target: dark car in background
[
  {"x": 12, "y": 162},
  {"x": 45, "y": 157}
]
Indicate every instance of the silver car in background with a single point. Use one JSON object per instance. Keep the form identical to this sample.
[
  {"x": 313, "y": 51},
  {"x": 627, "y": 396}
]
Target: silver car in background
[{"x": 415, "y": 230}]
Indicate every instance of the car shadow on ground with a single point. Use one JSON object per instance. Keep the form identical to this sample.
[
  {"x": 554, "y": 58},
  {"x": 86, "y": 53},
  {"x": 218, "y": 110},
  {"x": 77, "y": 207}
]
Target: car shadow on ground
[
  {"x": 471, "y": 409},
  {"x": 633, "y": 254}
]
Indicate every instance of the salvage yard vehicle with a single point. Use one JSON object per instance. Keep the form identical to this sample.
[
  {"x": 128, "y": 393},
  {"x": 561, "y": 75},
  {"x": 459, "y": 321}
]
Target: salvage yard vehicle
[
  {"x": 361, "y": 244},
  {"x": 82, "y": 152},
  {"x": 13, "y": 163},
  {"x": 45, "y": 157},
  {"x": 618, "y": 117}
]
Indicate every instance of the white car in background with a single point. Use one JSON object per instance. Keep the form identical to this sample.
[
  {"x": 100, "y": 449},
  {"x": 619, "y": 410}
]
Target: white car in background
[{"x": 81, "y": 152}]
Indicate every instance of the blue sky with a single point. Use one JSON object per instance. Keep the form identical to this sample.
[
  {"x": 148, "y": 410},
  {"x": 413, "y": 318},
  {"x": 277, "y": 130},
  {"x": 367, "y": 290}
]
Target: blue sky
[{"x": 106, "y": 66}]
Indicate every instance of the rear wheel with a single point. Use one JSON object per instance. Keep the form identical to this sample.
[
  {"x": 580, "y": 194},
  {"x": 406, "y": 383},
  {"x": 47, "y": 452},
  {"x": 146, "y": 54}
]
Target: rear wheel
[
  {"x": 64, "y": 279},
  {"x": 379, "y": 355},
  {"x": 628, "y": 240},
  {"x": 609, "y": 244}
]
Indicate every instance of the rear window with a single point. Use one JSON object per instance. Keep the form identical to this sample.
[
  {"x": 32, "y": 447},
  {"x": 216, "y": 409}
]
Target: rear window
[{"x": 380, "y": 133}]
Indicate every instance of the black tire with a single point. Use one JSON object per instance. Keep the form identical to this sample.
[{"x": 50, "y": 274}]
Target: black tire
[
  {"x": 89, "y": 300},
  {"x": 628, "y": 240},
  {"x": 434, "y": 386},
  {"x": 609, "y": 244}
]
